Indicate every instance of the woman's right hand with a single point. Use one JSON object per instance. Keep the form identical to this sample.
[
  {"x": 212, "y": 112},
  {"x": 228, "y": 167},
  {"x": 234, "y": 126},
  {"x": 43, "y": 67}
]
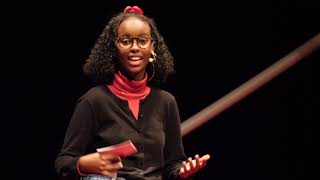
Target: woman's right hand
[{"x": 95, "y": 163}]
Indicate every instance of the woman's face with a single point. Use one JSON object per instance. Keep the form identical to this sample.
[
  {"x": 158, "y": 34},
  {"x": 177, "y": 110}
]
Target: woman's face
[{"x": 134, "y": 45}]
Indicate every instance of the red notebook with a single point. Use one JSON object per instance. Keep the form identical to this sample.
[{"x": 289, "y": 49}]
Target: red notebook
[{"x": 123, "y": 149}]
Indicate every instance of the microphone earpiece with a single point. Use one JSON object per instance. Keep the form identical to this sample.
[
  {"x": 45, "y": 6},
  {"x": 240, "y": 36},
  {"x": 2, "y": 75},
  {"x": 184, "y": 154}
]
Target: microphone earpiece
[{"x": 153, "y": 58}]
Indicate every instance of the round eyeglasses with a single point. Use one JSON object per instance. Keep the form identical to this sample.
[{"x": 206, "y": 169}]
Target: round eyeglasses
[{"x": 126, "y": 42}]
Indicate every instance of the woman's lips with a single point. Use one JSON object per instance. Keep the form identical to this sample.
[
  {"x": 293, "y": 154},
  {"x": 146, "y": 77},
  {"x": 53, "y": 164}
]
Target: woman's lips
[{"x": 135, "y": 60}]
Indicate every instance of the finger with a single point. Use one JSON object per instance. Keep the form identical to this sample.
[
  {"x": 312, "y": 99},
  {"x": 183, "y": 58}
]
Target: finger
[
  {"x": 185, "y": 166},
  {"x": 182, "y": 173},
  {"x": 115, "y": 166},
  {"x": 205, "y": 157},
  {"x": 203, "y": 163},
  {"x": 184, "y": 163},
  {"x": 197, "y": 157},
  {"x": 182, "y": 170},
  {"x": 111, "y": 159},
  {"x": 120, "y": 164},
  {"x": 190, "y": 163},
  {"x": 197, "y": 160}
]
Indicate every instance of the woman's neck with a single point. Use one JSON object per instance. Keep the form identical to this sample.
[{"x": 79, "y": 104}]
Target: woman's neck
[{"x": 133, "y": 77}]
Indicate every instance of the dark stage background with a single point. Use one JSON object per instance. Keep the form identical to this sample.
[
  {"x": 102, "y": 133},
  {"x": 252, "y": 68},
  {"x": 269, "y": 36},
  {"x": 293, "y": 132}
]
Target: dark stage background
[{"x": 217, "y": 46}]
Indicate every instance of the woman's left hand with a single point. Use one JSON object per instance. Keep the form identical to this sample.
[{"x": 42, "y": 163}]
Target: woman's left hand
[{"x": 192, "y": 166}]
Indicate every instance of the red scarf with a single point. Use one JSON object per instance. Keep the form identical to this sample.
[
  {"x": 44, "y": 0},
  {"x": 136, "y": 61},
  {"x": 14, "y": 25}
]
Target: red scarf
[{"x": 130, "y": 90}]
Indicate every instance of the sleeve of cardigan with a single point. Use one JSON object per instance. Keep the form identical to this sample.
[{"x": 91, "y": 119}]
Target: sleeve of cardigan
[
  {"x": 76, "y": 140},
  {"x": 173, "y": 151}
]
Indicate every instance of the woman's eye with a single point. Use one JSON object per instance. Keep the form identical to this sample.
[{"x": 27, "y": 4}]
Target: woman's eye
[
  {"x": 126, "y": 41},
  {"x": 142, "y": 40}
]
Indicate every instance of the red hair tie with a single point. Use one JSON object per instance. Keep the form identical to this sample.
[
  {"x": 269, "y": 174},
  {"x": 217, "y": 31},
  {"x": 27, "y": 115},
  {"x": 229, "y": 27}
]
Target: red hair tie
[{"x": 134, "y": 9}]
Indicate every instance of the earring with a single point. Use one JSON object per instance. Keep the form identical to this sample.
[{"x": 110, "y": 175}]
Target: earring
[{"x": 153, "y": 59}]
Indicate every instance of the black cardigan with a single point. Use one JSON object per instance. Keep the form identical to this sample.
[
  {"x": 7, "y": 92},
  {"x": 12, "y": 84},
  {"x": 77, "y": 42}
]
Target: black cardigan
[{"x": 101, "y": 119}]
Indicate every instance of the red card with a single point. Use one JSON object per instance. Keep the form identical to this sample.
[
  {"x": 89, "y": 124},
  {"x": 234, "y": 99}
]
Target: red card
[{"x": 125, "y": 148}]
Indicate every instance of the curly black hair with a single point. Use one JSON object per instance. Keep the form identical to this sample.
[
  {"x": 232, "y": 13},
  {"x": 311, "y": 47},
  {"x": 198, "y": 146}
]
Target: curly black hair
[{"x": 102, "y": 62}]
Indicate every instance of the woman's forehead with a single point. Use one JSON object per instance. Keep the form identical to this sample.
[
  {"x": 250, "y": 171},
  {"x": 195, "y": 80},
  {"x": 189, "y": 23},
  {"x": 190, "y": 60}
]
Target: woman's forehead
[{"x": 134, "y": 26}]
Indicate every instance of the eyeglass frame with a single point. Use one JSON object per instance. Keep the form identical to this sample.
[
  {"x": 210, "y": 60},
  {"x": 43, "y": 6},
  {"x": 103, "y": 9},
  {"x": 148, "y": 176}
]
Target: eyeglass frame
[{"x": 132, "y": 39}]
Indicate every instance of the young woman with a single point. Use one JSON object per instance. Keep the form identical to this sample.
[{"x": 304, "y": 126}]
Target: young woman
[{"x": 129, "y": 59}]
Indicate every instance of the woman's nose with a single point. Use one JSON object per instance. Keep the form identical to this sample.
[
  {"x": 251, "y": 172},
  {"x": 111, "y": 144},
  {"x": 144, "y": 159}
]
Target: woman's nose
[
  {"x": 135, "y": 47},
  {"x": 135, "y": 44}
]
